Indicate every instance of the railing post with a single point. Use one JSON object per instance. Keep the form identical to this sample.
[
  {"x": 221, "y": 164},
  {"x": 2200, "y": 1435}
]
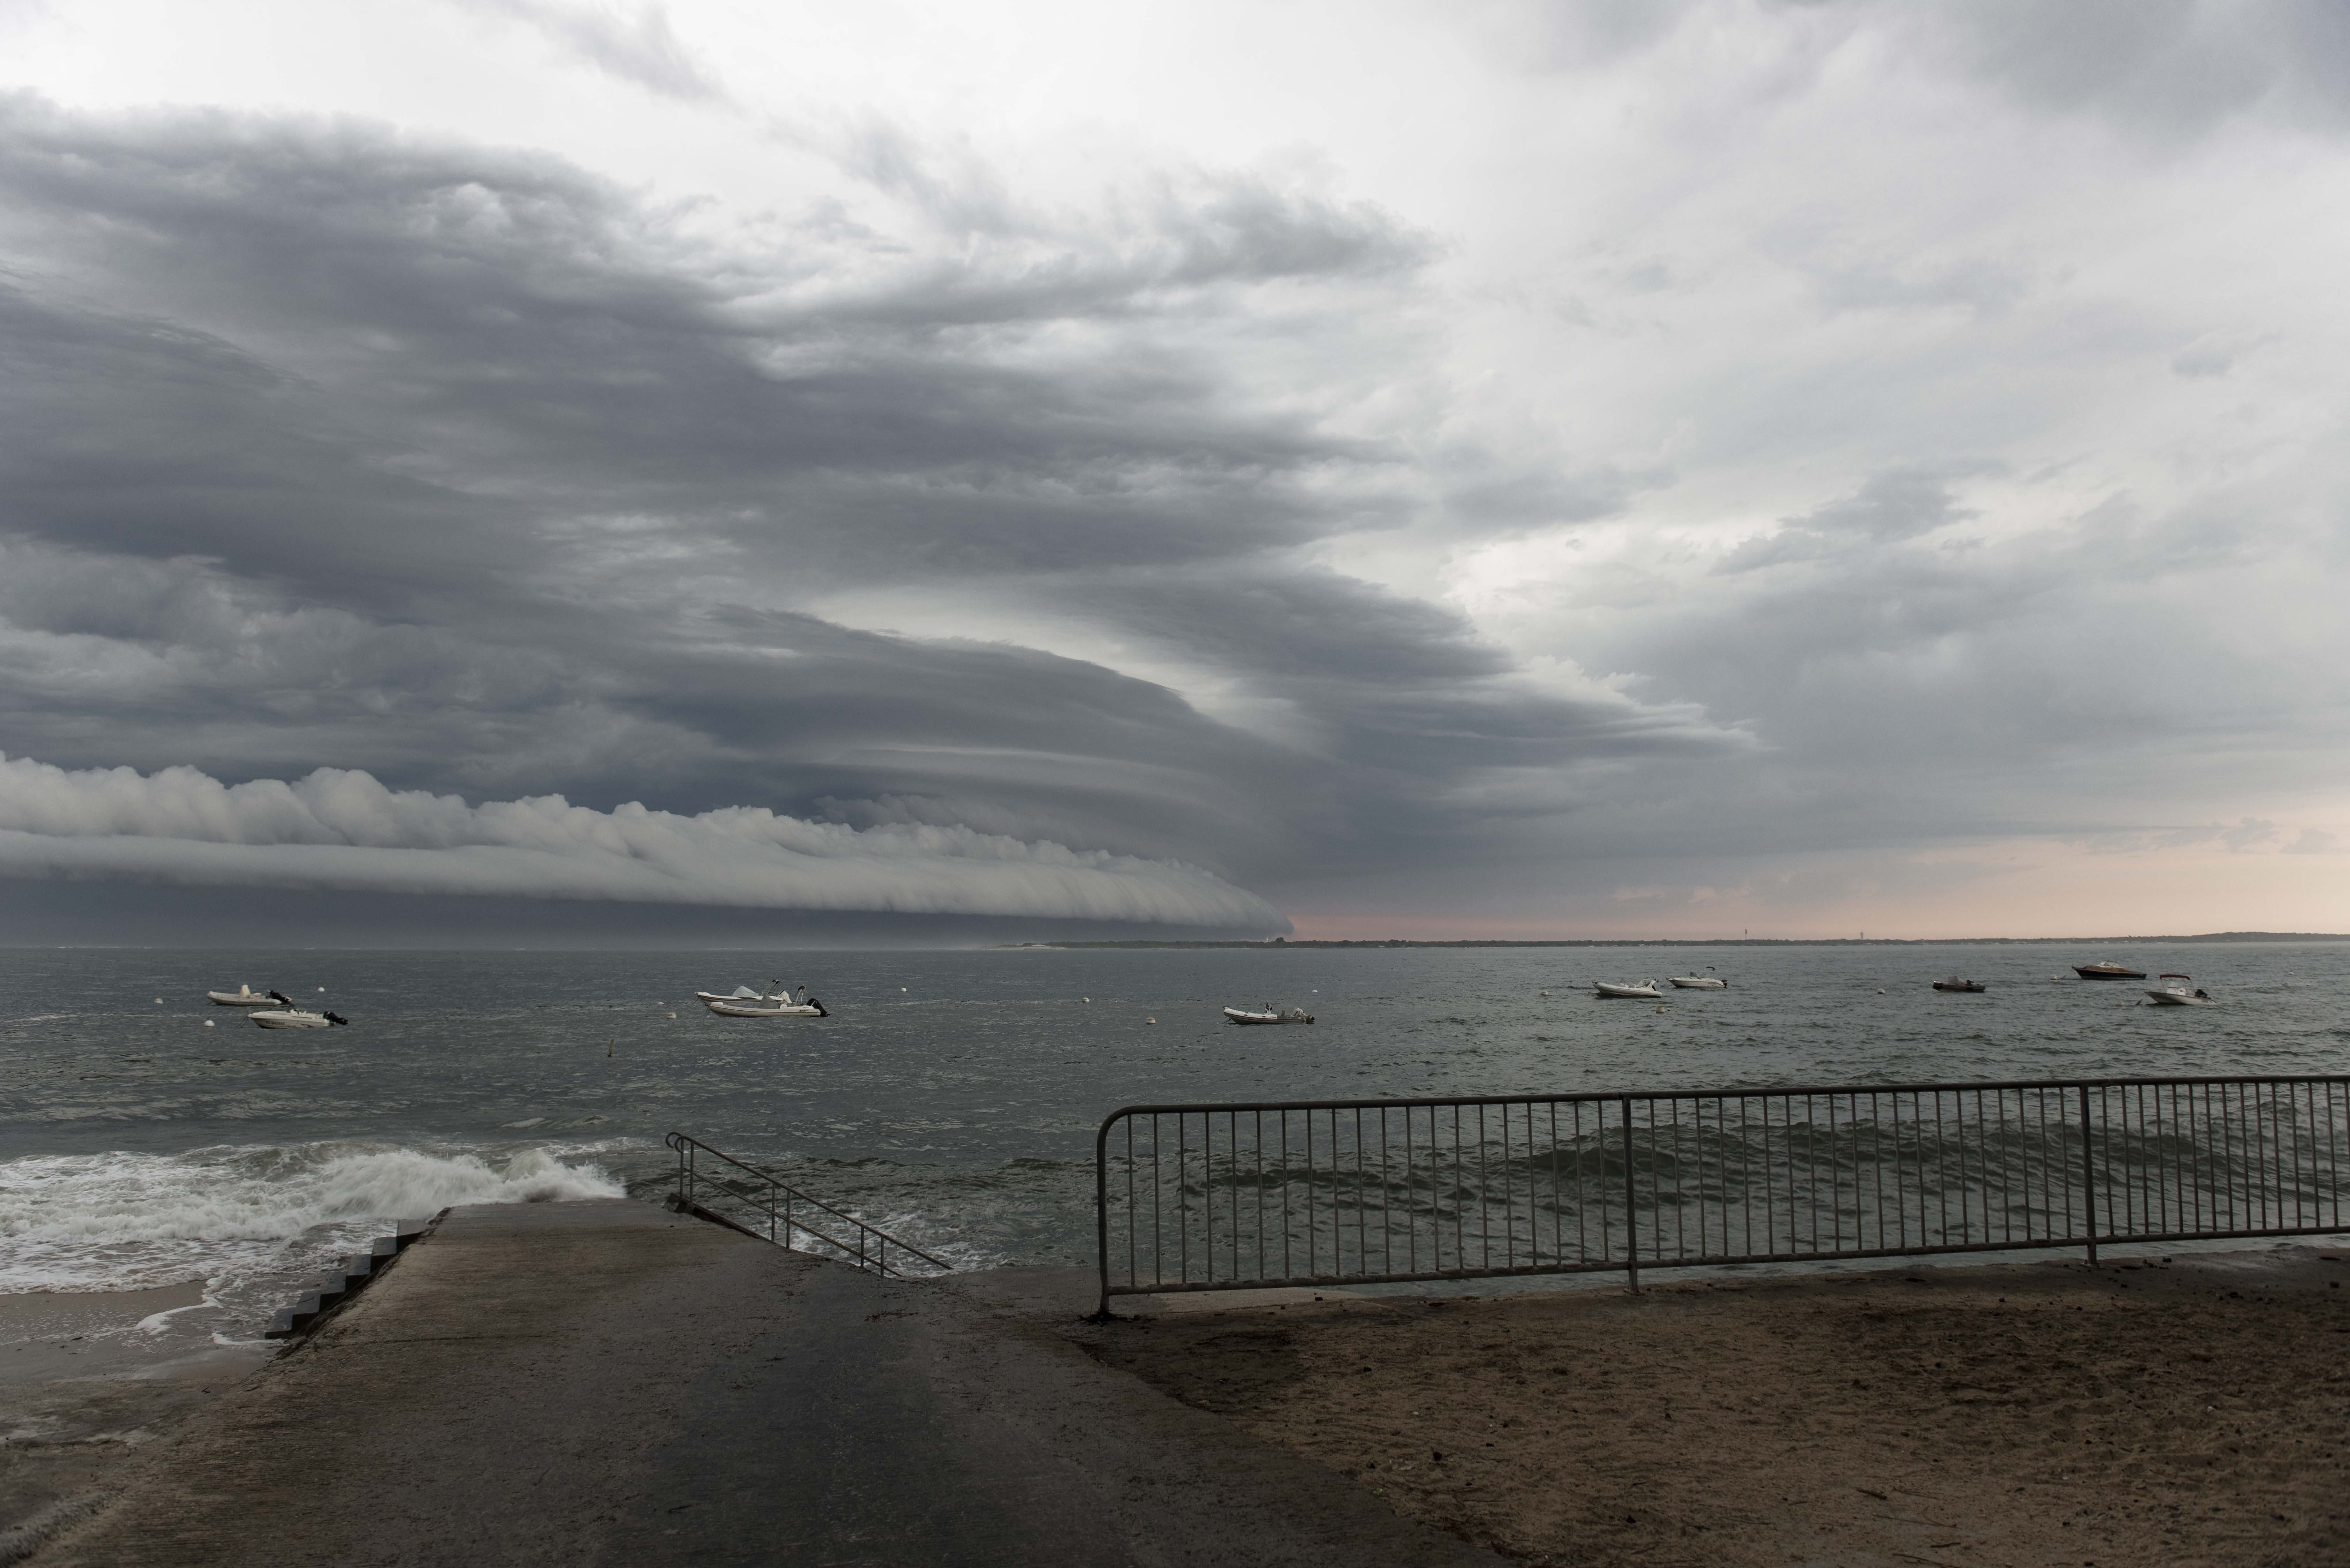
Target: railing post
[
  {"x": 2088, "y": 1175},
  {"x": 1631, "y": 1223},
  {"x": 1101, "y": 1214}
]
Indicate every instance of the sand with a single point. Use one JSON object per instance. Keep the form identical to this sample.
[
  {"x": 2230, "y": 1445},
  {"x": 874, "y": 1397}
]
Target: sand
[
  {"x": 81, "y": 1389},
  {"x": 2191, "y": 1413}
]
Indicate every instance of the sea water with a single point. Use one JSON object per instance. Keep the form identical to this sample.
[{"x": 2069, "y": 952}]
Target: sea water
[{"x": 149, "y": 1138}]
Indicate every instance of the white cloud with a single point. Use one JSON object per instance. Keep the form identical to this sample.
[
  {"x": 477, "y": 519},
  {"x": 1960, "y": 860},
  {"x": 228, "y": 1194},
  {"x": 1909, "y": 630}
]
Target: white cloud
[{"x": 343, "y": 830}]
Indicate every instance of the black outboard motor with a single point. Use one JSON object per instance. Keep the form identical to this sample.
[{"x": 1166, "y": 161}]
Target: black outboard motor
[
  {"x": 337, "y": 1018},
  {"x": 281, "y": 997},
  {"x": 820, "y": 1013}
]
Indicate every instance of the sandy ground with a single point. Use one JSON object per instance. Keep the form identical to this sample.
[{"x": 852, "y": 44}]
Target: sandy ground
[
  {"x": 2191, "y": 1413},
  {"x": 79, "y": 1392}
]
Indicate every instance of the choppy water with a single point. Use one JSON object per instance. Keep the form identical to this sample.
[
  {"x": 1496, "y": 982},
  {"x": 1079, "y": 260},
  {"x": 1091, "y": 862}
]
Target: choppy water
[{"x": 952, "y": 1094}]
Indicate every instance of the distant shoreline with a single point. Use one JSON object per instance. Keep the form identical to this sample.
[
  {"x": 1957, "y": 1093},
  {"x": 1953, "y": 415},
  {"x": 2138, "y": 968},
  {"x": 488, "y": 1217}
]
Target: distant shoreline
[{"x": 1286, "y": 942}]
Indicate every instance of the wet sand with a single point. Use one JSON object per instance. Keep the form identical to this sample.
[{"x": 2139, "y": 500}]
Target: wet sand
[
  {"x": 2193, "y": 1413},
  {"x": 83, "y": 1388}
]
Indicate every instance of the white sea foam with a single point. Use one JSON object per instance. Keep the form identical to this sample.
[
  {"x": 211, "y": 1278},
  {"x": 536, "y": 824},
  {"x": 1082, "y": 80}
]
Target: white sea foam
[{"x": 229, "y": 1216}]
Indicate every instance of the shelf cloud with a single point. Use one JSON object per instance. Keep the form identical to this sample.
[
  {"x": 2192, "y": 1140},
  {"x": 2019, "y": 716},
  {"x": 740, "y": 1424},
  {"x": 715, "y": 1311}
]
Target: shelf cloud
[
  {"x": 344, "y": 830},
  {"x": 1792, "y": 460}
]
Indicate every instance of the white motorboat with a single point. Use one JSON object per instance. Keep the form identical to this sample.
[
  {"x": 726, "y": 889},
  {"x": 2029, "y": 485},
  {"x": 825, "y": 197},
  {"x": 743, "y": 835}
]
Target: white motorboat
[
  {"x": 1645, "y": 990},
  {"x": 295, "y": 1018},
  {"x": 745, "y": 1003},
  {"x": 245, "y": 996},
  {"x": 2182, "y": 992},
  {"x": 1268, "y": 1013},
  {"x": 2107, "y": 970},
  {"x": 1699, "y": 982}
]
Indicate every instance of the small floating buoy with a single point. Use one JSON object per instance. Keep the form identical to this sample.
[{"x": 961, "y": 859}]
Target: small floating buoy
[
  {"x": 1880, "y": 990},
  {"x": 1545, "y": 993},
  {"x": 901, "y": 991},
  {"x": 208, "y": 1024},
  {"x": 672, "y": 1015},
  {"x": 607, "y": 1047},
  {"x": 159, "y": 1002},
  {"x": 1150, "y": 1021},
  {"x": 322, "y": 990},
  {"x": 1085, "y": 999}
]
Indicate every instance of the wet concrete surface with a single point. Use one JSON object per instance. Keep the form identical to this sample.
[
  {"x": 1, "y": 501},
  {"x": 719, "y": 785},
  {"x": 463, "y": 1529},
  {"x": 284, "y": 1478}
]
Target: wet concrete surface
[{"x": 609, "y": 1383}]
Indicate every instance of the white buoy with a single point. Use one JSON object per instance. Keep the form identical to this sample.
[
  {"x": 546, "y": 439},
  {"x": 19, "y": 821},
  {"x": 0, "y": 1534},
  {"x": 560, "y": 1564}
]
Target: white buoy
[
  {"x": 208, "y": 1024},
  {"x": 1150, "y": 1021},
  {"x": 322, "y": 990},
  {"x": 672, "y": 1015},
  {"x": 1880, "y": 990},
  {"x": 1545, "y": 993},
  {"x": 901, "y": 991},
  {"x": 1085, "y": 999},
  {"x": 159, "y": 1002}
]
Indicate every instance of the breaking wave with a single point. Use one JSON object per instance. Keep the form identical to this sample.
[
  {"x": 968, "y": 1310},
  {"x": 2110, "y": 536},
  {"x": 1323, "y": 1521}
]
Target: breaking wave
[{"x": 127, "y": 1222}]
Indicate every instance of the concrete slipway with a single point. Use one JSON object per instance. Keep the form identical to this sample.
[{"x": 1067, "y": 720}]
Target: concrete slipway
[{"x": 609, "y": 1382}]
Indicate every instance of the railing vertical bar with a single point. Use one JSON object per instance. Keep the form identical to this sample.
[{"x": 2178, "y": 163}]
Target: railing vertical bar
[
  {"x": 1410, "y": 1191},
  {"x": 1256, "y": 1144},
  {"x": 1631, "y": 1203},
  {"x": 2089, "y": 1175}
]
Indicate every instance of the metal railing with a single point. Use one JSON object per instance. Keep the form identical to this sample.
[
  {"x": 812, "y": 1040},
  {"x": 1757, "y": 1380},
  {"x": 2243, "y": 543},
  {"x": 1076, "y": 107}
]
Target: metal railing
[
  {"x": 1331, "y": 1192},
  {"x": 753, "y": 1192}
]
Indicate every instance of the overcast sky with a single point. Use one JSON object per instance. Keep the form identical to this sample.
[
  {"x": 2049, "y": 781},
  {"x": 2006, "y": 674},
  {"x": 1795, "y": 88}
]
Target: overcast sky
[{"x": 1361, "y": 468}]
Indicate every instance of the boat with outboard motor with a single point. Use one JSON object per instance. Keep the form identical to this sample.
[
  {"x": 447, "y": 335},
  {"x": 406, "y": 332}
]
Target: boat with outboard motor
[
  {"x": 1955, "y": 983},
  {"x": 291, "y": 1017},
  {"x": 1268, "y": 1013},
  {"x": 2109, "y": 969},
  {"x": 745, "y": 1003},
  {"x": 1644, "y": 991},
  {"x": 245, "y": 996},
  {"x": 1699, "y": 982},
  {"x": 2186, "y": 994}
]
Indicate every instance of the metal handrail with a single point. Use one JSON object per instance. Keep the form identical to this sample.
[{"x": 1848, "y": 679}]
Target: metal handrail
[
  {"x": 1228, "y": 1196},
  {"x": 870, "y": 1250}
]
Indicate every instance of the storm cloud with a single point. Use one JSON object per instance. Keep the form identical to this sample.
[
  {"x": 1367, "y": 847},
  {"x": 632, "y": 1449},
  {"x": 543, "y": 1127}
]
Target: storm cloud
[{"x": 1705, "y": 457}]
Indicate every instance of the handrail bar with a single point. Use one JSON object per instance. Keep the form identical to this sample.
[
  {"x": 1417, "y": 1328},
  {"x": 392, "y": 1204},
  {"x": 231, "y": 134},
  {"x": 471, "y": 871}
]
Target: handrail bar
[
  {"x": 1754, "y": 1091},
  {"x": 678, "y": 1142}
]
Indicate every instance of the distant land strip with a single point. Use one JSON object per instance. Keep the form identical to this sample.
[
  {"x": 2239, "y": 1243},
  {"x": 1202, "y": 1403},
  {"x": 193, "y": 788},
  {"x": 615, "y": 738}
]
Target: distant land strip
[{"x": 1729, "y": 941}]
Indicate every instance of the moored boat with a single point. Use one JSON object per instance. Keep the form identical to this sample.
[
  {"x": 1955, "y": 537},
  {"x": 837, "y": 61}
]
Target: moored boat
[
  {"x": 2109, "y": 969},
  {"x": 1699, "y": 982},
  {"x": 1645, "y": 990},
  {"x": 1268, "y": 1013},
  {"x": 245, "y": 996},
  {"x": 295, "y": 1018},
  {"x": 1955, "y": 983},
  {"x": 745, "y": 1003},
  {"x": 2185, "y": 994}
]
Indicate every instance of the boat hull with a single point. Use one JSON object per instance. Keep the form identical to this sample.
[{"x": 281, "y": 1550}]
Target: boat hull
[
  {"x": 1969, "y": 986},
  {"x": 1699, "y": 982},
  {"x": 241, "y": 999},
  {"x": 1647, "y": 992},
  {"x": 729, "y": 1009},
  {"x": 2107, "y": 971},
  {"x": 2178, "y": 999},
  {"x": 279, "y": 1018},
  {"x": 1241, "y": 1016}
]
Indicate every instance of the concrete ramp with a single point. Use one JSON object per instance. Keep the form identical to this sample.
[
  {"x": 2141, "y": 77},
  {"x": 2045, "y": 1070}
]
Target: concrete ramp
[{"x": 609, "y": 1383}]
